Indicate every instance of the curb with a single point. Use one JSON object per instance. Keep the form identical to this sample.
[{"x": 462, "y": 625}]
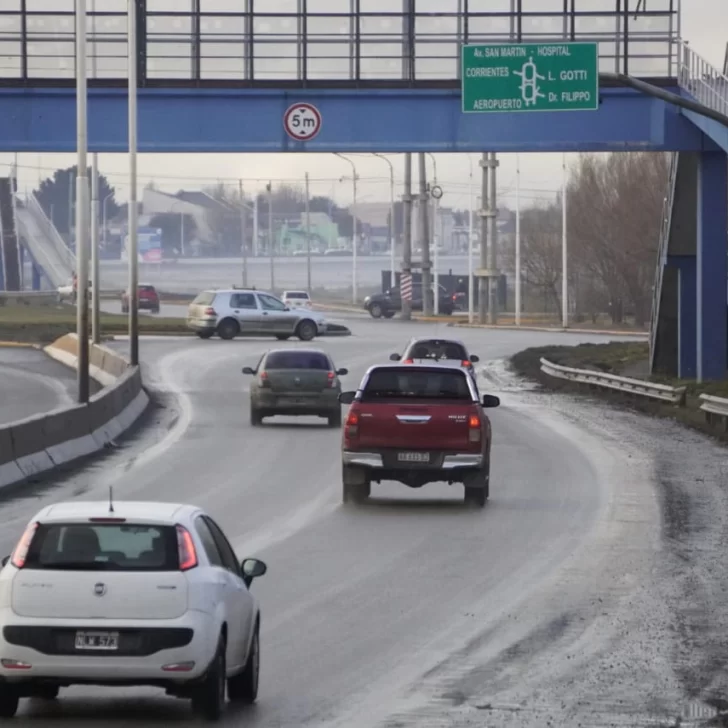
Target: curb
[{"x": 18, "y": 345}]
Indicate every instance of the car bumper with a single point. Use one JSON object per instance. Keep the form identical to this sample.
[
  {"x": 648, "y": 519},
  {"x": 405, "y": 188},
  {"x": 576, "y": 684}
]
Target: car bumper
[
  {"x": 42, "y": 648},
  {"x": 385, "y": 461},
  {"x": 202, "y": 324},
  {"x": 296, "y": 403}
]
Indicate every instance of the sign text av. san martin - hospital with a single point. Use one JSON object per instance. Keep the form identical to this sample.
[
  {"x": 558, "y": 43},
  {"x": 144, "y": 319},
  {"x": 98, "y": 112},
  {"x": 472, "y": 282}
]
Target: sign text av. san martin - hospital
[{"x": 530, "y": 77}]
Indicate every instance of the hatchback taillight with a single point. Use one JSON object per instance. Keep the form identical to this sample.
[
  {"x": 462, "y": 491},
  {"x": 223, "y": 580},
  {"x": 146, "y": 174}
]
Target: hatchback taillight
[
  {"x": 20, "y": 554},
  {"x": 210, "y": 311},
  {"x": 330, "y": 379},
  {"x": 408, "y": 361},
  {"x": 263, "y": 380},
  {"x": 466, "y": 363},
  {"x": 186, "y": 549}
]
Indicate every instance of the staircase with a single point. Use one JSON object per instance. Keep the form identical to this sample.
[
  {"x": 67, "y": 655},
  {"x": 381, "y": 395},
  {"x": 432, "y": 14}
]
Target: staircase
[
  {"x": 12, "y": 275},
  {"x": 703, "y": 81},
  {"x": 657, "y": 291}
]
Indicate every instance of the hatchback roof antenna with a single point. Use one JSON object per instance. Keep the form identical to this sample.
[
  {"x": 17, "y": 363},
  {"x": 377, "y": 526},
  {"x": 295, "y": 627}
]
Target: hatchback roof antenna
[{"x": 111, "y": 499}]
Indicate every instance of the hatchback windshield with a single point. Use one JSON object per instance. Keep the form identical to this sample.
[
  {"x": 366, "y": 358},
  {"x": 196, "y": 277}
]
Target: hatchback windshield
[
  {"x": 297, "y": 360},
  {"x": 416, "y": 384},
  {"x": 103, "y": 547}
]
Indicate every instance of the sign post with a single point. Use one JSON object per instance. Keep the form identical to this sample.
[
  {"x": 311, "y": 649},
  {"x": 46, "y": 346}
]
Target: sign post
[{"x": 530, "y": 77}]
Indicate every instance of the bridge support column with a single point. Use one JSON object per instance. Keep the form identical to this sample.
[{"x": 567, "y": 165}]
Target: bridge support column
[
  {"x": 686, "y": 314},
  {"x": 712, "y": 267},
  {"x": 36, "y": 278}
]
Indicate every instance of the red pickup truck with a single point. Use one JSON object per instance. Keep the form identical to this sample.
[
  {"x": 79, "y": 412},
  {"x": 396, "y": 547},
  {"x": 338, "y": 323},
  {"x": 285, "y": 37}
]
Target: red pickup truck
[{"x": 416, "y": 424}]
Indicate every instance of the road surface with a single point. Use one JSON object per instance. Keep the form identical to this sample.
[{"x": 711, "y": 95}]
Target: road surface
[
  {"x": 574, "y": 598},
  {"x": 31, "y": 383}
]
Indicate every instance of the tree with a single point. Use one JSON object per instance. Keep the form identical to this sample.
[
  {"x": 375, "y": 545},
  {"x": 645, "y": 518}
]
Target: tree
[
  {"x": 57, "y": 193},
  {"x": 614, "y": 219},
  {"x": 170, "y": 224}
]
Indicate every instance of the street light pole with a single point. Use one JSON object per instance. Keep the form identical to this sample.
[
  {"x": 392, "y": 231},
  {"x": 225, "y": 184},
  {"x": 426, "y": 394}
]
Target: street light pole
[
  {"x": 96, "y": 283},
  {"x": 243, "y": 241},
  {"x": 270, "y": 237},
  {"x": 355, "y": 232},
  {"x": 133, "y": 211},
  {"x": 392, "y": 235},
  {"x": 436, "y": 236},
  {"x": 471, "y": 287},
  {"x": 81, "y": 205},
  {"x": 518, "y": 239},
  {"x": 564, "y": 260},
  {"x": 308, "y": 237}
]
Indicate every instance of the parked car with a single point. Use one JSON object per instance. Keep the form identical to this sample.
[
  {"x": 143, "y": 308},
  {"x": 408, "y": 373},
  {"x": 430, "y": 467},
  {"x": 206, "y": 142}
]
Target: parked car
[
  {"x": 137, "y": 593},
  {"x": 239, "y": 312},
  {"x": 297, "y": 299},
  {"x": 389, "y": 303},
  {"x": 295, "y": 382},
  {"x": 416, "y": 425},
  {"x": 147, "y": 299}
]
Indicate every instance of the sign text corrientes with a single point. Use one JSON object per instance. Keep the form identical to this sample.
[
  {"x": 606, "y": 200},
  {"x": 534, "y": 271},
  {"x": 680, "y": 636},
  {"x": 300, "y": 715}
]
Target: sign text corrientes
[{"x": 530, "y": 77}]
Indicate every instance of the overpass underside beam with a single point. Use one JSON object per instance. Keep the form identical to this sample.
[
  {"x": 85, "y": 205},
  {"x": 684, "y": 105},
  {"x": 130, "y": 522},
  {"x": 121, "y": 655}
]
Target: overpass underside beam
[{"x": 694, "y": 300}]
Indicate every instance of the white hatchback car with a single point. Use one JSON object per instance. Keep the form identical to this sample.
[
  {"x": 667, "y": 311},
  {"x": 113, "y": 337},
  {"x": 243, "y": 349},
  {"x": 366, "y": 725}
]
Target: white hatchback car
[
  {"x": 297, "y": 299},
  {"x": 130, "y": 594}
]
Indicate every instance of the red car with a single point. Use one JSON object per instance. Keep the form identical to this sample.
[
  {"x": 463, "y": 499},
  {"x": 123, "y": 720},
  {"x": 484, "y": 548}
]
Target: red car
[
  {"x": 148, "y": 299},
  {"x": 417, "y": 424}
]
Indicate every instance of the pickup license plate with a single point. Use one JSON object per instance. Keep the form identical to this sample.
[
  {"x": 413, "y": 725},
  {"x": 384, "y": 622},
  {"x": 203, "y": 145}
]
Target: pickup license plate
[
  {"x": 413, "y": 457},
  {"x": 97, "y": 640}
]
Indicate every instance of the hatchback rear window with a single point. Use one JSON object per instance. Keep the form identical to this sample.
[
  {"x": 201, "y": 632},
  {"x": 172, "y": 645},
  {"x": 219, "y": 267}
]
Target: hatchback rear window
[
  {"x": 103, "y": 547},
  {"x": 437, "y": 349},
  {"x": 410, "y": 383},
  {"x": 147, "y": 289},
  {"x": 205, "y": 298},
  {"x": 297, "y": 294},
  {"x": 297, "y": 360}
]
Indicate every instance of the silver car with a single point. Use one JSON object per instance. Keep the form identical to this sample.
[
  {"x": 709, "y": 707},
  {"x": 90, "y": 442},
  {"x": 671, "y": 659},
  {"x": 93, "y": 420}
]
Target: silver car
[{"x": 241, "y": 312}]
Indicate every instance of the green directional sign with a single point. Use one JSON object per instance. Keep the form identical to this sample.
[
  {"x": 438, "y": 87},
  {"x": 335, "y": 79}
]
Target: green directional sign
[{"x": 530, "y": 77}]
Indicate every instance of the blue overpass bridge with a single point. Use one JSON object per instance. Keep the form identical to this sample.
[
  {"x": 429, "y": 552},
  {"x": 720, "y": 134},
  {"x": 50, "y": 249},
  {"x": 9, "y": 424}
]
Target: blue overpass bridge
[{"x": 385, "y": 77}]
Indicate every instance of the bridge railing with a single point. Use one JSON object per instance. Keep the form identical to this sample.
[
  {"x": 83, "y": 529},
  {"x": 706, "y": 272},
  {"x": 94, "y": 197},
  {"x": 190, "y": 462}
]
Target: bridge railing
[
  {"x": 54, "y": 237},
  {"x": 702, "y": 80},
  {"x": 662, "y": 252},
  {"x": 325, "y": 42}
]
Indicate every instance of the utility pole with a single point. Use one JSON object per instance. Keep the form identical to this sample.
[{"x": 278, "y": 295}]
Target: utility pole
[
  {"x": 133, "y": 247},
  {"x": 482, "y": 280},
  {"x": 493, "y": 242},
  {"x": 243, "y": 236},
  {"x": 308, "y": 237},
  {"x": 406, "y": 234},
  {"x": 82, "y": 190},
  {"x": 270, "y": 237},
  {"x": 425, "y": 236}
]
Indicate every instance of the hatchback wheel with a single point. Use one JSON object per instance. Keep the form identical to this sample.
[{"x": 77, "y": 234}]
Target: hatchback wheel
[
  {"x": 306, "y": 330},
  {"x": 335, "y": 418},
  {"x": 9, "y": 700},
  {"x": 228, "y": 329},
  {"x": 209, "y": 699},
  {"x": 243, "y": 687}
]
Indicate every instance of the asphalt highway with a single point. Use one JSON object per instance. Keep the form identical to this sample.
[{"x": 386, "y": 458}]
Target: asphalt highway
[
  {"x": 31, "y": 383},
  {"x": 411, "y": 610}
]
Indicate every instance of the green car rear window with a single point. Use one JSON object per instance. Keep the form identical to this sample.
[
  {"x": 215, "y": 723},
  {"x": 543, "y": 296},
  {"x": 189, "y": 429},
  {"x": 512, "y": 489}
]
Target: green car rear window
[{"x": 297, "y": 360}]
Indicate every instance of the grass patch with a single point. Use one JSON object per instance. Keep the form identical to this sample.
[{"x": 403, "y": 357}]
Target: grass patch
[
  {"x": 624, "y": 359},
  {"x": 44, "y": 325}
]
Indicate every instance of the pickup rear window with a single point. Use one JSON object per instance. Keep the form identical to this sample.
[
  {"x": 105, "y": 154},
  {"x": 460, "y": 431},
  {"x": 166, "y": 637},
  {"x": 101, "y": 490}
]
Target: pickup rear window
[
  {"x": 103, "y": 547},
  {"x": 411, "y": 383},
  {"x": 297, "y": 360}
]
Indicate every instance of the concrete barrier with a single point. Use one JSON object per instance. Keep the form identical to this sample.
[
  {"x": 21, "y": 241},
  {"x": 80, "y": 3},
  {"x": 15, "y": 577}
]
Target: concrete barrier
[{"x": 38, "y": 444}]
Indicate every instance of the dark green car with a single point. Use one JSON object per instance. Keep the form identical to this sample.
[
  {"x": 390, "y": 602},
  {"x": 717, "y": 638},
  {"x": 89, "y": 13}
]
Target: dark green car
[{"x": 295, "y": 382}]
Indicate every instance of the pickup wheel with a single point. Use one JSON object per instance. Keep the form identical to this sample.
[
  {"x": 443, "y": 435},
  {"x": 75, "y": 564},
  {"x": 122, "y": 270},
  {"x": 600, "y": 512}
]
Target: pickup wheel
[
  {"x": 477, "y": 487},
  {"x": 356, "y": 484},
  {"x": 376, "y": 310},
  {"x": 388, "y": 314}
]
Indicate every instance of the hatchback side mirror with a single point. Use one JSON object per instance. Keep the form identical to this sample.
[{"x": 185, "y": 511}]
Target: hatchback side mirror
[
  {"x": 342, "y": 372},
  {"x": 395, "y": 357},
  {"x": 5, "y": 561},
  {"x": 248, "y": 370},
  {"x": 347, "y": 397},
  {"x": 490, "y": 400},
  {"x": 251, "y": 569},
  {"x": 474, "y": 358}
]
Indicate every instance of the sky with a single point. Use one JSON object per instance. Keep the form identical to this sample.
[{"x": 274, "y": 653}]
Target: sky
[{"x": 704, "y": 24}]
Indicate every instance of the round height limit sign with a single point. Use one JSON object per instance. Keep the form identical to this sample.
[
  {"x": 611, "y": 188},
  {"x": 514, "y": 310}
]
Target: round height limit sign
[{"x": 302, "y": 121}]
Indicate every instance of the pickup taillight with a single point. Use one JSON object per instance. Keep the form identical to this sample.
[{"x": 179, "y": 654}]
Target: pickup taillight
[
  {"x": 474, "y": 428},
  {"x": 351, "y": 426}
]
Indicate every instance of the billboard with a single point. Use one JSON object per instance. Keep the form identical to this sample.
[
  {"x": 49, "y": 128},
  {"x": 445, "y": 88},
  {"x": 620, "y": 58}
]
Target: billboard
[{"x": 149, "y": 244}]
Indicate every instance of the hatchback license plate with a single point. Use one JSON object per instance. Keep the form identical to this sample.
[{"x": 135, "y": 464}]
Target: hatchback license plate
[
  {"x": 290, "y": 401},
  {"x": 97, "y": 640},
  {"x": 413, "y": 457}
]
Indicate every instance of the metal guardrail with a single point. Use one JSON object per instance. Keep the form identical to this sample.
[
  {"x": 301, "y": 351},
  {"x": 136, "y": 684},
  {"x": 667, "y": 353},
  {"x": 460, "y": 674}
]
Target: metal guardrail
[
  {"x": 706, "y": 83},
  {"x": 627, "y": 385},
  {"x": 716, "y": 410},
  {"x": 345, "y": 42},
  {"x": 662, "y": 252}
]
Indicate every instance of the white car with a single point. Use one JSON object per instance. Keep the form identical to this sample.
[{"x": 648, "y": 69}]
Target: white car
[
  {"x": 132, "y": 593},
  {"x": 297, "y": 299}
]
